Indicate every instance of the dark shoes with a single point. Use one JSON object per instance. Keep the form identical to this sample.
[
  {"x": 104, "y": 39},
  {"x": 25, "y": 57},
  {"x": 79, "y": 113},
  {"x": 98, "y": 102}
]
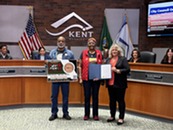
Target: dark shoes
[
  {"x": 111, "y": 119},
  {"x": 67, "y": 117},
  {"x": 96, "y": 118},
  {"x": 85, "y": 118},
  {"x": 120, "y": 122},
  {"x": 53, "y": 117}
]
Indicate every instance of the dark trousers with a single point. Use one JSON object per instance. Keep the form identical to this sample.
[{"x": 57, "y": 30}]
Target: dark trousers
[
  {"x": 91, "y": 88},
  {"x": 54, "y": 97},
  {"x": 117, "y": 95}
]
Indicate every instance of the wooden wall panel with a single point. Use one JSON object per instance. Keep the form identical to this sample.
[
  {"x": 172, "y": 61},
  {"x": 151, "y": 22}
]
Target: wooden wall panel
[
  {"x": 75, "y": 95},
  {"x": 150, "y": 99},
  {"x": 103, "y": 96},
  {"x": 10, "y": 91},
  {"x": 59, "y": 9},
  {"x": 37, "y": 90}
]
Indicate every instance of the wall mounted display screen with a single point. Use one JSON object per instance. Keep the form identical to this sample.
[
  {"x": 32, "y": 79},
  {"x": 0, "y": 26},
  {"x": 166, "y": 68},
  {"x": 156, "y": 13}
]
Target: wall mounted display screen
[{"x": 160, "y": 19}]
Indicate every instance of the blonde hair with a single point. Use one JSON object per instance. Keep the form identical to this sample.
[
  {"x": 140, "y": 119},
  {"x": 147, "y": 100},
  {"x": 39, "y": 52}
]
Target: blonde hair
[{"x": 120, "y": 51}]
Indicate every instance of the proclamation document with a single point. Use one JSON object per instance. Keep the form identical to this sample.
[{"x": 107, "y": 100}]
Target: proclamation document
[
  {"x": 106, "y": 71},
  {"x": 100, "y": 71}
]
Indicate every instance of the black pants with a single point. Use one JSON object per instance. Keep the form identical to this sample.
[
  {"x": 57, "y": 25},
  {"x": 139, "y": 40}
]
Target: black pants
[
  {"x": 91, "y": 89},
  {"x": 117, "y": 95}
]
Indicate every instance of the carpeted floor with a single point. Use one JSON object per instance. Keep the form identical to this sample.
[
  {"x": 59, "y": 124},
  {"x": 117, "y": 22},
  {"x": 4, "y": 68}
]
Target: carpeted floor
[{"x": 36, "y": 118}]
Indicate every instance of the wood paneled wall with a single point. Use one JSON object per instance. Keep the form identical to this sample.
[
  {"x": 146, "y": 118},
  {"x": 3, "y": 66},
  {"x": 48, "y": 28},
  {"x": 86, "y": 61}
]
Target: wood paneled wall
[{"x": 48, "y": 11}]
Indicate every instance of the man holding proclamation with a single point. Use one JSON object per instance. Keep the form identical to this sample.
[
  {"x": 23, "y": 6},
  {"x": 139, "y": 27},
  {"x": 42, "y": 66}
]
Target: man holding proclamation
[{"x": 60, "y": 53}]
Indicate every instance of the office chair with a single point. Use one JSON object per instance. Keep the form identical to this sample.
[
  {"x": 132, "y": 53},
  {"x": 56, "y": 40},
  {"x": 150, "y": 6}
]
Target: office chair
[
  {"x": 33, "y": 54},
  {"x": 148, "y": 57}
]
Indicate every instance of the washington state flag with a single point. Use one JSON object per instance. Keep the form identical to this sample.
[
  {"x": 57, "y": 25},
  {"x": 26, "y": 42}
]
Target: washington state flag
[{"x": 105, "y": 40}]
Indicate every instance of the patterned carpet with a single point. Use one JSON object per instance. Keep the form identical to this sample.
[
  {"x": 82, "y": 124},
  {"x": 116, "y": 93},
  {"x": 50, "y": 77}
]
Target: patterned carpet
[{"x": 36, "y": 118}]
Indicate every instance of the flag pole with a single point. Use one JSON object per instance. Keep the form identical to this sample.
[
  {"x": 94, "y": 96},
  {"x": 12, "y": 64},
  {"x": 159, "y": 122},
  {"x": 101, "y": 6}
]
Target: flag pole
[
  {"x": 22, "y": 51},
  {"x": 128, "y": 27},
  {"x": 30, "y": 8}
]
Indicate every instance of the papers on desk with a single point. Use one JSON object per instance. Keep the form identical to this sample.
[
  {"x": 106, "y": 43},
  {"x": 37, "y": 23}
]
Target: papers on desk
[{"x": 100, "y": 71}]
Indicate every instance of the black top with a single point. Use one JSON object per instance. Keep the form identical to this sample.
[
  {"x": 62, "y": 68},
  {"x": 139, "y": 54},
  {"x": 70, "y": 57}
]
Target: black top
[
  {"x": 131, "y": 60},
  {"x": 7, "y": 56},
  {"x": 120, "y": 80}
]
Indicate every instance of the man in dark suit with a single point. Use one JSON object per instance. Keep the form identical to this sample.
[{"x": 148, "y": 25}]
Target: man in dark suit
[{"x": 4, "y": 52}]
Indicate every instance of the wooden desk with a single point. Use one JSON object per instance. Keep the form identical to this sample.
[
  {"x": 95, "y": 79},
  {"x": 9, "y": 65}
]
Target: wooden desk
[
  {"x": 153, "y": 67},
  {"x": 30, "y": 89},
  {"x": 150, "y": 97},
  {"x": 143, "y": 97}
]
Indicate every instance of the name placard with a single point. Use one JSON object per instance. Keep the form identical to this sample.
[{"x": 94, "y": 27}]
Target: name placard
[
  {"x": 20, "y": 71},
  {"x": 162, "y": 77}
]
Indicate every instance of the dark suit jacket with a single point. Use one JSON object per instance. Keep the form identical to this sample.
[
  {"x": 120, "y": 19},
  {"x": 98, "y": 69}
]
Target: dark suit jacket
[
  {"x": 120, "y": 80},
  {"x": 131, "y": 60},
  {"x": 46, "y": 57},
  {"x": 8, "y": 56}
]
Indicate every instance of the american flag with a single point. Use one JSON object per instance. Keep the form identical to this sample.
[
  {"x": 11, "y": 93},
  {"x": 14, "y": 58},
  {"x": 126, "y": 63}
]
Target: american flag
[{"x": 29, "y": 40}]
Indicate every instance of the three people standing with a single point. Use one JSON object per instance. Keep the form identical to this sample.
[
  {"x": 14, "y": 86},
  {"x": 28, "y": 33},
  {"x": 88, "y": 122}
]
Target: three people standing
[{"x": 116, "y": 85}]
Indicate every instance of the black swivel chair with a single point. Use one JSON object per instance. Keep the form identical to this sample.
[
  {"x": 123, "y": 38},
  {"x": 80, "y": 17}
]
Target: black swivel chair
[
  {"x": 34, "y": 53},
  {"x": 148, "y": 57}
]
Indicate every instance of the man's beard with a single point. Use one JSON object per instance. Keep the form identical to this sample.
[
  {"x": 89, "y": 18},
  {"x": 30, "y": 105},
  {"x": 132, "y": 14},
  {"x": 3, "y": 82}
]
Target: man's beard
[{"x": 61, "y": 46}]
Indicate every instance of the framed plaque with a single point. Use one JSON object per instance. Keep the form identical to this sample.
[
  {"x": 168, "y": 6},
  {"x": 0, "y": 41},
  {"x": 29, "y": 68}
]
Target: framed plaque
[{"x": 62, "y": 71}]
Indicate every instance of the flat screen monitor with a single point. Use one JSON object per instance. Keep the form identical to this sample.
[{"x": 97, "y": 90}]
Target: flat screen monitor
[{"x": 160, "y": 19}]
